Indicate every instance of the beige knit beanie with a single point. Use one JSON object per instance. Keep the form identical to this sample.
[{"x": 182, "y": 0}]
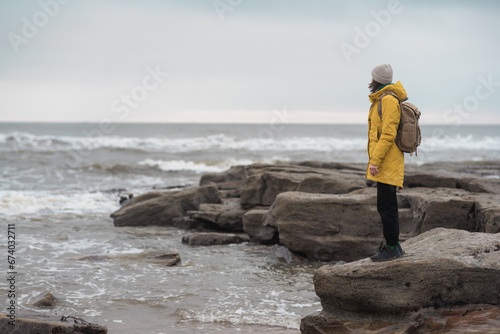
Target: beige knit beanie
[{"x": 382, "y": 74}]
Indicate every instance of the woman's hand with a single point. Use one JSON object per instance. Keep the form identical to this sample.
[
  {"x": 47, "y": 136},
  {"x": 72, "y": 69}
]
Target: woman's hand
[{"x": 373, "y": 170}]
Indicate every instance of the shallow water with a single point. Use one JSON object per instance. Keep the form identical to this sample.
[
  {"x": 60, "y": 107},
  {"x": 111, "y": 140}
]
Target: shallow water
[{"x": 213, "y": 288}]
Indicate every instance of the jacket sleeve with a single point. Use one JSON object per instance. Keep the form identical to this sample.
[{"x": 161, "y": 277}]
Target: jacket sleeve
[{"x": 390, "y": 123}]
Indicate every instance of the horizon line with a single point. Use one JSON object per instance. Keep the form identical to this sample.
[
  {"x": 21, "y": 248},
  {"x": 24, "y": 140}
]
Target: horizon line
[{"x": 232, "y": 123}]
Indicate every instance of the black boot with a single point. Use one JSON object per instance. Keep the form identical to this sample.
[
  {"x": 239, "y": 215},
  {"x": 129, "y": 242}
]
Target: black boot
[
  {"x": 386, "y": 254},
  {"x": 401, "y": 251}
]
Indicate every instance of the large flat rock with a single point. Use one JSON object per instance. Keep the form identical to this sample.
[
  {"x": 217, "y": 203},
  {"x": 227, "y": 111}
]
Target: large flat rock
[
  {"x": 452, "y": 180},
  {"x": 253, "y": 225},
  {"x": 227, "y": 215},
  {"x": 264, "y": 183},
  {"x": 163, "y": 208},
  {"x": 229, "y": 182},
  {"x": 449, "y": 208},
  {"x": 213, "y": 238},
  {"x": 473, "y": 319},
  {"x": 438, "y": 207},
  {"x": 327, "y": 227},
  {"x": 442, "y": 267},
  {"x": 261, "y": 183},
  {"x": 472, "y": 176},
  {"x": 347, "y": 227}
]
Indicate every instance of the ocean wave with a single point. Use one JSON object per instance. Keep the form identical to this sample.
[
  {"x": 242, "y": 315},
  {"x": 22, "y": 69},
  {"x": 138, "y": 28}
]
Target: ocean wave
[
  {"x": 34, "y": 203},
  {"x": 201, "y": 166},
  {"x": 20, "y": 141},
  {"x": 178, "y": 165},
  {"x": 460, "y": 142},
  {"x": 112, "y": 168},
  {"x": 24, "y": 141}
]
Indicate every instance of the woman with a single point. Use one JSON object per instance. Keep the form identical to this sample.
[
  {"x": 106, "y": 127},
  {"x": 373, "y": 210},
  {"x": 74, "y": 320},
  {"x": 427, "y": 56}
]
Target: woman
[{"x": 386, "y": 161}]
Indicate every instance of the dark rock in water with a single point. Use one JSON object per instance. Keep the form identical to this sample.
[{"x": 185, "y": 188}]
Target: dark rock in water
[
  {"x": 253, "y": 226},
  {"x": 94, "y": 258},
  {"x": 160, "y": 208},
  {"x": 228, "y": 182},
  {"x": 231, "y": 220},
  {"x": 232, "y": 178},
  {"x": 210, "y": 238},
  {"x": 165, "y": 257},
  {"x": 114, "y": 190},
  {"x": 168, "y": 258},
  {"x": 30, "y": 322},
  {"x": 178, "y": 186},
  {"x": 191, "y": 224},
  {"x": 441, "y": 267},
  {"x": 227, "y": 216},
  {"x": 124, "y": 199},
  {"x": 45, "y": 299}
]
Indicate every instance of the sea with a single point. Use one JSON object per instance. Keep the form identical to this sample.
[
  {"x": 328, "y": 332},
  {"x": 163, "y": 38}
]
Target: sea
[{"x": 61, "y": 181}]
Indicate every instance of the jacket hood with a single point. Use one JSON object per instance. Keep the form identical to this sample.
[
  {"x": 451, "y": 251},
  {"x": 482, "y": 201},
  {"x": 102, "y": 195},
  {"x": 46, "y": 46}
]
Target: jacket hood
[{"x": 397, "y": 88}]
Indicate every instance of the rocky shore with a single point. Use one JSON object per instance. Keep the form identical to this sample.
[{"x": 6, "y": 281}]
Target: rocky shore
[
  {"x": 450, "y": 225},
  {"x": 33, "y": 322},
  {"x": 443, "y": 269},
  {"x": 323, "y": 211}
]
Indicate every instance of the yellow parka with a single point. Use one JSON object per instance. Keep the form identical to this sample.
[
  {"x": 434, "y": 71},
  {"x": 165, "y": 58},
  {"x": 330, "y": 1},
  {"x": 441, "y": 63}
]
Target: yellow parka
[{"x": 382, "y": 151}]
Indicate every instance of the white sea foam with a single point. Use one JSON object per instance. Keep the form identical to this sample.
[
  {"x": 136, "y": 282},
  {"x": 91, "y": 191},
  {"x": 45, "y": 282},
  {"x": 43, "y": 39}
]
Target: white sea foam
[
  {"x": 30, "y": 142},
  {"x": 246, "y": 306},
  {"x": 200, "y": 167},
  {"x": 241, "y": 316},
  {"x": 460, "y": 142},
  {"x": 26, "y": 141},
  {"x": 26, "y": 203}
]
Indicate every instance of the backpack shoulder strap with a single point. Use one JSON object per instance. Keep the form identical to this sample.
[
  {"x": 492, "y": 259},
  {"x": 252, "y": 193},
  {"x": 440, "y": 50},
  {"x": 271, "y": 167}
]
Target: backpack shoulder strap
[{"x": 387, "y": 92}]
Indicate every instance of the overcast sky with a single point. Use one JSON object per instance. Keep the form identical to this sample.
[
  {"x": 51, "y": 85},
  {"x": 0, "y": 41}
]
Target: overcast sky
[{"x": 245, "y": 60}]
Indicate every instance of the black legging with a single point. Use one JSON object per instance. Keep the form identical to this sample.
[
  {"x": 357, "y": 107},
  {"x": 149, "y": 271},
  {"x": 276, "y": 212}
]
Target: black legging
[{"x": 387, "y": 207}]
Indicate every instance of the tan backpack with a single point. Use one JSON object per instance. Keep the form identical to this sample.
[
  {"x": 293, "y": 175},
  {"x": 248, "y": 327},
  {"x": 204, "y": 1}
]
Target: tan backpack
[{"x": 408, "y": 137}]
